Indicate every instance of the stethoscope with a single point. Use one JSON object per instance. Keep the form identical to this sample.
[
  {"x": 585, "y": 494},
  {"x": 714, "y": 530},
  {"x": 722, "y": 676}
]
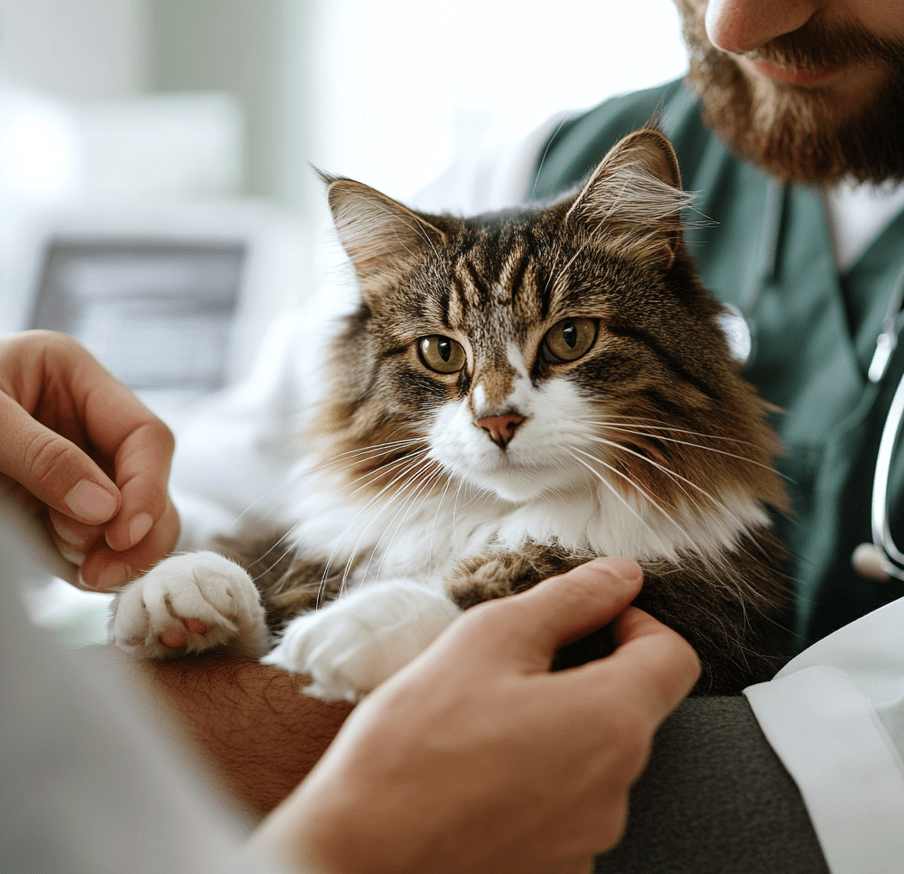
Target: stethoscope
[{"x": 881, "y": 559}]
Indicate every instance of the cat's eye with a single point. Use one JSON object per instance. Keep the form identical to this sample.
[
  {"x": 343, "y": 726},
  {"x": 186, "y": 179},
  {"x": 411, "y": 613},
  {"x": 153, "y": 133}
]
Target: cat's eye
[
  {"x": 568, "y": 340},
  {"x": 441, "y": 354}
]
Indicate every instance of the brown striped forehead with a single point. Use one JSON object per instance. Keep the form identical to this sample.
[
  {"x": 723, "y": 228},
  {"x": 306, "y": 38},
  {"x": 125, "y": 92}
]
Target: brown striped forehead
[
  {"x": 498, "y": 272},
  {"x": 494, "y": 282}
]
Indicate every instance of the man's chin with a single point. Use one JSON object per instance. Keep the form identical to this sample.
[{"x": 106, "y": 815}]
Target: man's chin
[{"x": 803, "y": 134}]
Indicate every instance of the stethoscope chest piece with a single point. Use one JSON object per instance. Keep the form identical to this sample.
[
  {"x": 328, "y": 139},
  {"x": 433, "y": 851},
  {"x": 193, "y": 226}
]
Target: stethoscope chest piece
[
  {"x": 871, "y": 562},
  {"x": 737, "y": 333}
]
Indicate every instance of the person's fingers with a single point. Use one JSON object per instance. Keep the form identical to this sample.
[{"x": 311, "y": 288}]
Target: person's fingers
[
  {"x": 656, "y": 666},
  {"x": 71, "y": 538},
  {"x": 52, "y": 468},
  {"x": 73, "y": 532},
  {"x": 106, "y": 569},
  {"x": 565, "y": 608},
  {"x": 142, "y": 468},
  {"x": 79, "y": 442},
  {"x": 136, "y": 446}
]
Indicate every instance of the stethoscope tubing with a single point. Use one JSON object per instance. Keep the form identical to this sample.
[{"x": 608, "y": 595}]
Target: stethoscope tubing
[
  {"x": 882, "y": 536},
  {"x": 882, "y": 559}
]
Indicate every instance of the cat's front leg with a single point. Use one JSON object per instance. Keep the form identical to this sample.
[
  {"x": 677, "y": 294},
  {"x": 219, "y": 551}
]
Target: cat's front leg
[
  {"x": 354, "y": 643},
  {"x": 187, "y": 604}
]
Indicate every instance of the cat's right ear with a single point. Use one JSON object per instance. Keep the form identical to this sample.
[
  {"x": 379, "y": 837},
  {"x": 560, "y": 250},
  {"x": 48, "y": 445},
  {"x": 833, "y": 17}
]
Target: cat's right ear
[{"x": 381, "y": 236}]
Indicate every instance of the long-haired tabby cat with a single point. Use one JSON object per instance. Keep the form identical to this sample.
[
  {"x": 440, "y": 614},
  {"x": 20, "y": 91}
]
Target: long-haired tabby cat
[{"x": 515, "y": 394}]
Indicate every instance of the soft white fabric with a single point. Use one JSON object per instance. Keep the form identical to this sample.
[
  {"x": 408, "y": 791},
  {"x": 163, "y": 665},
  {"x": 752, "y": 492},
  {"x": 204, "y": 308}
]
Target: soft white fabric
[
  {"x": 235, "y": 453},
  {"x": 835, "y": 717},
  {"x": 90, "y": 779}
]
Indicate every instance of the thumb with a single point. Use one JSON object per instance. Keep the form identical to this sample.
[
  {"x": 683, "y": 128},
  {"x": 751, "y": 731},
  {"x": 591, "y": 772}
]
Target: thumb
[
  {"x": 565, "y": 608},
  {"x": 53, "y": 468}
]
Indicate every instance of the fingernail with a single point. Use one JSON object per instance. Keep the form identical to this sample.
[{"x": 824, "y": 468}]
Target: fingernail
[
  {"x": 90, "y": 502},
  {"x": 114, "y": 576},
  {"x": 73, "y": 556},
  {"x": 71, "y": 537},
  {"x": 627, "y": 571},
  {"x": 140, "y": 526}
]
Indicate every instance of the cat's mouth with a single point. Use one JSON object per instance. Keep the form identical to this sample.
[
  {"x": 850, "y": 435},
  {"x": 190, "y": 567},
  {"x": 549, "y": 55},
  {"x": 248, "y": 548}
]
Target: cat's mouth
[{"x": 512, "y": 474}]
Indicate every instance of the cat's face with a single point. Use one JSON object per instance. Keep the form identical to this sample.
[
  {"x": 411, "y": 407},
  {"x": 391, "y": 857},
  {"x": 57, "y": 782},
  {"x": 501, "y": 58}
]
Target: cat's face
[
  {"x": 550, "y": 350},
  {"x": 520, "y": 333}
]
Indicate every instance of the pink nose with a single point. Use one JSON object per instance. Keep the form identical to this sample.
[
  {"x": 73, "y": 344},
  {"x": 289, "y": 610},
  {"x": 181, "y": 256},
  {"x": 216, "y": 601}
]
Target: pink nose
[{"x": 500, "y": 428}]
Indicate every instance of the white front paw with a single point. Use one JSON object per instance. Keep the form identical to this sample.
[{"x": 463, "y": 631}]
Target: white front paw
[
  {"x": 189, "y": 603},
  {"x": 350, "y": 646}
]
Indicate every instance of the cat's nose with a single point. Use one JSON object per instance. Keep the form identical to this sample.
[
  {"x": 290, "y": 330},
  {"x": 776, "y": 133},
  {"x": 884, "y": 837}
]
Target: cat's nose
[{"x": 500, "y": 428}]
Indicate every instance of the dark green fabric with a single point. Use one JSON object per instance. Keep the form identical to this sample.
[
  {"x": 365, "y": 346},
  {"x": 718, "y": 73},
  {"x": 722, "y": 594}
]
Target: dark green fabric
[
  {"x": 715, "y": 799},
  {"x": 769, "y": 251}
]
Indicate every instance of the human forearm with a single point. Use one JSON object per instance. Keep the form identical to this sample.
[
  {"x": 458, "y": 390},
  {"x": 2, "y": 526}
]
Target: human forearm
[{"x": 257, "y": 731}]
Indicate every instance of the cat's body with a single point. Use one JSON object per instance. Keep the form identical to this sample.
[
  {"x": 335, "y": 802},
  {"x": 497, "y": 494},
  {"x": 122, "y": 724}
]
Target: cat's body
[{"x": 516, "y": 394}]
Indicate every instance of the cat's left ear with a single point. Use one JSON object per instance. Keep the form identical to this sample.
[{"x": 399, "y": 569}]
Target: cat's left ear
[
  {"x": 381, "y": 236},
  {"x": 635, "y": 194}
]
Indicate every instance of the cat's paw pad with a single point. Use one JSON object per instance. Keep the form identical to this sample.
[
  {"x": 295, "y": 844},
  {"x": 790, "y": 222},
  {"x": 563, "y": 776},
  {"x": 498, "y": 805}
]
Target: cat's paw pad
[
  {"x": 350, "y": 646},
  {"x": 187, "y": 604}
]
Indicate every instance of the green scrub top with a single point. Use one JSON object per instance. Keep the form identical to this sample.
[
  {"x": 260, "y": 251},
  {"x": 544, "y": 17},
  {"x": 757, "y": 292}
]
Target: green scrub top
[{"x": 768, "y": 250}]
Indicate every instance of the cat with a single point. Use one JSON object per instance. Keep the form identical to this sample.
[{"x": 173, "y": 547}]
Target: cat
[{"x": 515, "y": 394}]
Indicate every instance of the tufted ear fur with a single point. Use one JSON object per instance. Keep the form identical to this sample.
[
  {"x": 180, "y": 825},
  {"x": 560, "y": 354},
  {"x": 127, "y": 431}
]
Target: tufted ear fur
[
  {"x": 382, "y": 237},
  {"x": 636, "y": 194}
]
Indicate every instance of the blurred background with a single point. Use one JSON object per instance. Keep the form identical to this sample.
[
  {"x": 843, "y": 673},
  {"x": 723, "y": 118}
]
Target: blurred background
[{"x": 157, "y": 198}]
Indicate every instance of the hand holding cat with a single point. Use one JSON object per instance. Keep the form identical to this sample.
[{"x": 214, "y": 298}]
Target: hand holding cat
[
  {"x": 476, "y": 758},
  {"x": 78, "y": 446}
]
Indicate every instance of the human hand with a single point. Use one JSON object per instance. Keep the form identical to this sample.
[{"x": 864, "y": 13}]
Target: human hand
[
  {"x": 78, "y": 448},
  {"x": 476, "y": 758}
]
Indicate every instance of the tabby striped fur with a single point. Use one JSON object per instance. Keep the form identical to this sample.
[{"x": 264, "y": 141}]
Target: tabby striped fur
[{"x": 649, "y": 445}]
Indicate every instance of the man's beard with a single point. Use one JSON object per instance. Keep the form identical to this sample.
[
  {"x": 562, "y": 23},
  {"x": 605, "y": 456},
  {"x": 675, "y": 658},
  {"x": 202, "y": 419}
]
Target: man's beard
[{"x": 798, "y": 134}]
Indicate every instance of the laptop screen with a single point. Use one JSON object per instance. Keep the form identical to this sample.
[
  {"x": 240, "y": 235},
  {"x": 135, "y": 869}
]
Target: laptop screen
[{"x": 157, "y": 314}]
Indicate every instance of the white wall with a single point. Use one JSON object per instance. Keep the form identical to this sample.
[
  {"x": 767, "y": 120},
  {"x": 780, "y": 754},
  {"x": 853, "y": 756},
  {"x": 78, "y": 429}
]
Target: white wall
[
  {"x": 397, "y": 80},
  {"x": 380, "y": 90},
  {"x": 260, "y": 51},
  {"x": 73, "y": 48}
]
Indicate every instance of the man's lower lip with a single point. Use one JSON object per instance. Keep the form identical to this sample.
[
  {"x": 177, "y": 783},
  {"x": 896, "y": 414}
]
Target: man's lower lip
[{"x": 789, "y": 75}]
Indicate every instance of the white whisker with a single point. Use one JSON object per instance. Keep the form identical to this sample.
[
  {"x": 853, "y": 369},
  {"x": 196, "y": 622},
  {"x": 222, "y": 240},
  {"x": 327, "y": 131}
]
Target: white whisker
[
  {"x": 734, "y": 455},
  {"x": 405, "y": 464},
  {"x": 615, "y": 491},
  {"x": 407, "y": 472},
  {"x": 677, "y": 477},
  {"x": 423, "y": 489}
]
